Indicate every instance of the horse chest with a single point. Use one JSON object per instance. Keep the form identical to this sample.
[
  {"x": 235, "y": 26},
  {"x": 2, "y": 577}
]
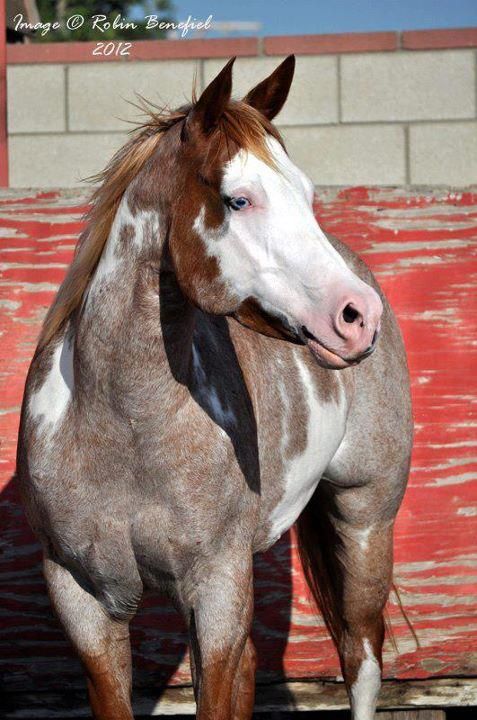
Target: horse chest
[{"x": 321, "y": 435}]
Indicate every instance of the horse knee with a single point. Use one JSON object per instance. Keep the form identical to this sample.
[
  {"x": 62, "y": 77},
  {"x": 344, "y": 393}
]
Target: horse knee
[
  {"x": 224, "y": 657},
  {"x": 101, "y": 643}
]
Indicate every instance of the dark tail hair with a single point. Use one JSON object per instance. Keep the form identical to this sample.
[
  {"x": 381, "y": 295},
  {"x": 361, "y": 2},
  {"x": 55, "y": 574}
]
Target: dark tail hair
[{"x": 317, "y": 540}]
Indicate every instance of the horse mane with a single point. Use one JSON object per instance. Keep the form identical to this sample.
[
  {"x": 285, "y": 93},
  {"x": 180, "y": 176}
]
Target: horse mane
[{"x": 241, "y": 126}]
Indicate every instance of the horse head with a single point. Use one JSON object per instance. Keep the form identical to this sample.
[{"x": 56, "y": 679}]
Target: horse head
[{"x": 243, "y": 237}]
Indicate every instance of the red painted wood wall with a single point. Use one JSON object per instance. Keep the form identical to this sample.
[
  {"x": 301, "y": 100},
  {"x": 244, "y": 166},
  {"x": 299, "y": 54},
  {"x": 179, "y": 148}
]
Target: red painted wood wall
[{"x": 423, "y": 247}]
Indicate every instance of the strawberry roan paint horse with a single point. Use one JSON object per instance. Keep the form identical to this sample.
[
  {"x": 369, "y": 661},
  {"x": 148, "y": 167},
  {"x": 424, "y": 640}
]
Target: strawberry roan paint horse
[{"x": 197, "y": 375}]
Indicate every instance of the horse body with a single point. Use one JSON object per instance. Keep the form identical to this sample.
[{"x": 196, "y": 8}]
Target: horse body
[
  {"x": 147, "y": 429},
  {"x": 164, "y": 442}
]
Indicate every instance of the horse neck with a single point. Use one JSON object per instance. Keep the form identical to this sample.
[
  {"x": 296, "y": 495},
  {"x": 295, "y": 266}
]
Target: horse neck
[{"x": 133, "y": 296}]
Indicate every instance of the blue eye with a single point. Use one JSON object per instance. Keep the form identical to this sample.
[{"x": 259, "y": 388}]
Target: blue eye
[{"x": 238, "y": 203}]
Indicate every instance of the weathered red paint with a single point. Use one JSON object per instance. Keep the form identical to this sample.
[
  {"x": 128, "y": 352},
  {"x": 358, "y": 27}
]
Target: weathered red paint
[{"x": 423, "y": 247}]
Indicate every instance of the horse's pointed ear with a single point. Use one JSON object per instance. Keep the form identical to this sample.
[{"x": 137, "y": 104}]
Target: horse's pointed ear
[
  {"x": 209, "y": 108},
  {"x": 269, "y": 96}
]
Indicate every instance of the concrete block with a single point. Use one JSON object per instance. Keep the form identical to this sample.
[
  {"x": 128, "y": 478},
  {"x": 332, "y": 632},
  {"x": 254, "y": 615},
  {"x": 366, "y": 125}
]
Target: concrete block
[
  {"x": 98, "y": 94},
  {"x": 408, "y": 86},
  {"x": 443, "y": 154},
  {"x": 36, "y": 98},
  {"x": 59, "y": 160},
  {"x": 349, "y": 155},
  {"x": 314, "y": 93}
]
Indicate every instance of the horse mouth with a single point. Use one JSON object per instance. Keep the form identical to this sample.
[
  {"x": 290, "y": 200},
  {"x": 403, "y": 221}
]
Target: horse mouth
[{"x": 328, "y": 358}]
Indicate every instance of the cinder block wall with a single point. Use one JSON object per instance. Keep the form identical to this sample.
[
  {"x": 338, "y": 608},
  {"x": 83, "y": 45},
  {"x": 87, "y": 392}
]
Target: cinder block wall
[{"x": 380, "y": 108}]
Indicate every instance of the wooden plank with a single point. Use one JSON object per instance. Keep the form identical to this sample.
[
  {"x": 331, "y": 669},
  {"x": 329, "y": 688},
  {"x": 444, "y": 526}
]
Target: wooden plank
[
  {"x": 413, "y": 696},
  {"x": 423, "y": 247},
  {"x": 429, "y": 714}
]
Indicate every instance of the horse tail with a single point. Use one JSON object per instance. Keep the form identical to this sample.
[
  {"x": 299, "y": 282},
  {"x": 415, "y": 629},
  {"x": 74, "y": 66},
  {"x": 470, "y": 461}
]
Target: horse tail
[
  {"x": 406, "y": 617},
  {"x": 317, "y": 546}
]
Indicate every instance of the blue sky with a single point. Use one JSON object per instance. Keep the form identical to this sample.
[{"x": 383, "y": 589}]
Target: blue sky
[{"x": 289, "y": 17}]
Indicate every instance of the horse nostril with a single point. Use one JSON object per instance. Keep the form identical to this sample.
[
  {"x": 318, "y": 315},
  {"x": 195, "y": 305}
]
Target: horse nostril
[{"x": 350, "y": 314}]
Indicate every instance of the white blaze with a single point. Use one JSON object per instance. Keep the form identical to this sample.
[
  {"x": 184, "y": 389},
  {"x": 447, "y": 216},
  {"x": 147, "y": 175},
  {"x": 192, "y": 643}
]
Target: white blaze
[{"x": 274, "y": 251}]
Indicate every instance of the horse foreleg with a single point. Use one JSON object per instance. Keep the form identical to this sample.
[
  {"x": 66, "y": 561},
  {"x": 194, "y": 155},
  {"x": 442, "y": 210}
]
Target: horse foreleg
[
  {"x": 101, "y": 643},
  {"x": 223, "y": 656},
  {"x": 244, "y": 685},
  {"x": 345, "y": 541}
]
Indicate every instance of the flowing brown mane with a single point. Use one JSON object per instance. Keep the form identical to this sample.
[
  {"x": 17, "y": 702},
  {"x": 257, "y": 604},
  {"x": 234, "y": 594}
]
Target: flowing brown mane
[{"x": 241, "y": 126}]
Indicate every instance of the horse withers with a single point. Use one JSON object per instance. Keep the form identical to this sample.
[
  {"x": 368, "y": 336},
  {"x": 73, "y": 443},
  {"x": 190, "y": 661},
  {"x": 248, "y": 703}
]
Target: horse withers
[{"x": 213, "y": 369}]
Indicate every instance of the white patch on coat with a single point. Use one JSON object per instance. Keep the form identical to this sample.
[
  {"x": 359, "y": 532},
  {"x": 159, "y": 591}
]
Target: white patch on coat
[
  {"x": 325, "y": 430},
  {"x": 362, "y": 537},
  {"x": 110, "y": 259},
  {"x": 285, "y": 435},
  {"x": 365, "y": 689},
  {"x": 49, "y": 402}
]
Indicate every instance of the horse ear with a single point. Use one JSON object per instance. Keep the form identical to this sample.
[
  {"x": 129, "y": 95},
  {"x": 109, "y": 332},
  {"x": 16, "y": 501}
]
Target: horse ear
[
  {"x": 269, "y": 96},
  {"x": 209, "y": 108}
]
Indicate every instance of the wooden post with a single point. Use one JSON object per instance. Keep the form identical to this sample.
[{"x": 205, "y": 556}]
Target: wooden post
[
  {"x": 3, "y": 96},
  {"x": 428, "y": 714}
]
